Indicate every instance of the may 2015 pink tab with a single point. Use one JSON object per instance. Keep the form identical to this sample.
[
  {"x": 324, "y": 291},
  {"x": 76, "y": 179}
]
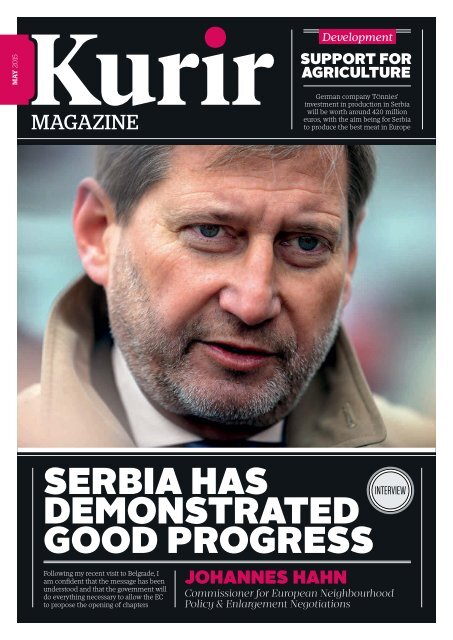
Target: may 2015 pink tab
[
  {"x": 17, "y": 69},
  {"x": 357, "y": 36}
]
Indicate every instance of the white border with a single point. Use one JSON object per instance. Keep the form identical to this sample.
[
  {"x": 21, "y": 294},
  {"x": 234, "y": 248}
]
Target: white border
[{"x": 232, "y": 8}]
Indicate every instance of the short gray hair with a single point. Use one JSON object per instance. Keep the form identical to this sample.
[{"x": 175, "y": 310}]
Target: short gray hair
[{"x": 127, "y": 172}]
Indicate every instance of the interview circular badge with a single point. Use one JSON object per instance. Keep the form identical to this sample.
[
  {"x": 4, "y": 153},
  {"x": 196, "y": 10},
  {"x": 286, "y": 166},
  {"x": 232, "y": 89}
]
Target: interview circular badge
[{"x": 390, "y": 490}]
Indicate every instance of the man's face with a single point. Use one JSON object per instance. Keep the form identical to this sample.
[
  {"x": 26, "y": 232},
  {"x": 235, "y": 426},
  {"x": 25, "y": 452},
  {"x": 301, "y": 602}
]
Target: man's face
[{"x": 226, "y": 286}]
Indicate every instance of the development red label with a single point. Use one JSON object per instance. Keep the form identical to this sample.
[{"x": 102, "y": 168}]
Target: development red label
[
  {"x": 357, "y": 36},
  {"x": 17, "y": 69}
]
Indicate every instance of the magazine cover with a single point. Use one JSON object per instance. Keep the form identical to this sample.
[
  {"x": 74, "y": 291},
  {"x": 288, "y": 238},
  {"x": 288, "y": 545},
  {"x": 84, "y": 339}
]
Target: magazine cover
[{"x": 226, "y": 316}]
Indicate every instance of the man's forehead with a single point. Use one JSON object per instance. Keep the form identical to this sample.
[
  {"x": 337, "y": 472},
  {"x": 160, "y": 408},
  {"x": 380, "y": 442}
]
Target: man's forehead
[{"x": 326, "y": 163}]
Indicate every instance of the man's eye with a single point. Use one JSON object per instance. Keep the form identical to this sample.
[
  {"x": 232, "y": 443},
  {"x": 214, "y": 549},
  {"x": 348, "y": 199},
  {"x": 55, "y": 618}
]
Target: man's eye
[
  {"x": 208, "y": 230},
  {"x": 307, "y": 243},
  {"x": 211, "y": 238},
  {"x": 305, "y": 251}
]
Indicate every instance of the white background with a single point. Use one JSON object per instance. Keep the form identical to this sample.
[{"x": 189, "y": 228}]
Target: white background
[{"x": 230, "y": 8}]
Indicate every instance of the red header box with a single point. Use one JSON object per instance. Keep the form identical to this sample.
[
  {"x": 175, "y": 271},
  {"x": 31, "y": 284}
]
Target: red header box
[
  {"x": 17, "y": 69},
  {"x": 357, "y": 36}
]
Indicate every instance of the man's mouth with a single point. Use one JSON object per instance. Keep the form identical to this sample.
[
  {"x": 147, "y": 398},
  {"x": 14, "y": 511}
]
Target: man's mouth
[{"x": 237, "y": 357}]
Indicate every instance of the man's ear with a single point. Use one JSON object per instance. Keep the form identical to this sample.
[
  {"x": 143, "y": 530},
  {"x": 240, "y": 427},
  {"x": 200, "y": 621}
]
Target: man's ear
[
  {"x": 352, "y": 258},
  {"x": 94, "y": 223}
]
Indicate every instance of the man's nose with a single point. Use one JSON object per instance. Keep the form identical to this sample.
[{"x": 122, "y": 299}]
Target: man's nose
[{"x": 251, "y": 289}]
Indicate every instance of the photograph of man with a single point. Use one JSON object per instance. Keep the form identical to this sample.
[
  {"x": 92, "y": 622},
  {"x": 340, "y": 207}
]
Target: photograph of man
[{"x": 210, "y": 312}]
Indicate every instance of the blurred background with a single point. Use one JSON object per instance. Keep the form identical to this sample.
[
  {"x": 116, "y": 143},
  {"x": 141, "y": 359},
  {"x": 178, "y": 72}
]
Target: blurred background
[{"x": 391, "y": 318}]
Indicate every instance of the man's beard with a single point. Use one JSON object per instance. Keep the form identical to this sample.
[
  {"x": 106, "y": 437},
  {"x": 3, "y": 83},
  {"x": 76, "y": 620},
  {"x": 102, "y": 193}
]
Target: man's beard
[{"x": 159, "y": 357}]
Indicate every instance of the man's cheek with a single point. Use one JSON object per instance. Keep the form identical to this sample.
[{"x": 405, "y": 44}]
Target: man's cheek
[
  {"x": 186, "y": 280},
  {"x": 161, "y": 271},
  {"x": 180, "y": 299},
  {"x": 317, "y": 304}
]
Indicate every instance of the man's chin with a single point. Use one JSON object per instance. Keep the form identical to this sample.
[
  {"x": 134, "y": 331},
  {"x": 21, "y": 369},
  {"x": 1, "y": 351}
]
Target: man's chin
[{"x": 240, "y": 409}]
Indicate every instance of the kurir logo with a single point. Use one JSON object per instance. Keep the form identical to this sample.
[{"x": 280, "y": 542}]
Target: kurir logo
[{"x": 141, "y": 82}]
